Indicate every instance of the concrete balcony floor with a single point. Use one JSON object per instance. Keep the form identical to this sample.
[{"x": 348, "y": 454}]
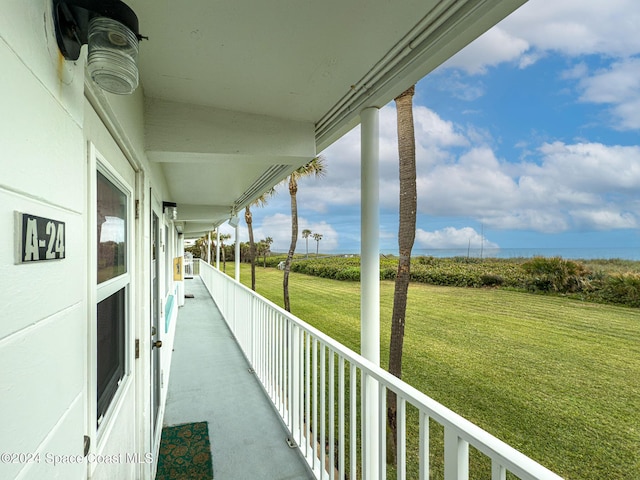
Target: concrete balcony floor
[{"x": 211, "y": 381}]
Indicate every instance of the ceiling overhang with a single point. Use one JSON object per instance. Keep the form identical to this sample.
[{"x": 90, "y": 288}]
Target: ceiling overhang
[{"x": 239, "y": 94}]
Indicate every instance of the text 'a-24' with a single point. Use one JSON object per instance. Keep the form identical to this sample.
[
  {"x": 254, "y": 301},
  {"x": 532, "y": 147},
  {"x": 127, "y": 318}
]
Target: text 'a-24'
[{"x": 39, "y": 238}]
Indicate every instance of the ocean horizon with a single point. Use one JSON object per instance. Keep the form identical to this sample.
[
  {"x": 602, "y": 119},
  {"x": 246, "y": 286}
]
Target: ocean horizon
[{"x": 606, "y": 253}]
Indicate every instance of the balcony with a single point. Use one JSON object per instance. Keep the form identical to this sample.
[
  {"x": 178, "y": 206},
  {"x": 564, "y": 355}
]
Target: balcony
[
  {"x": 302, "y": 385},
  {"x": 211, "y": 381}
]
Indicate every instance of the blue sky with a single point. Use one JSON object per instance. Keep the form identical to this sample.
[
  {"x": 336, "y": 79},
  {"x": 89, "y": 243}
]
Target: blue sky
[{"x": 528, "y": 138}]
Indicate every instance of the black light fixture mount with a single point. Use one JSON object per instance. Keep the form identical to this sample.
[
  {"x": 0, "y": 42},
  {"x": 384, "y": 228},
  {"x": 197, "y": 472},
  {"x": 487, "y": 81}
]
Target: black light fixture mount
[
  {"x": 110, "y": 28},
  {"x": 171, "y": 208}
]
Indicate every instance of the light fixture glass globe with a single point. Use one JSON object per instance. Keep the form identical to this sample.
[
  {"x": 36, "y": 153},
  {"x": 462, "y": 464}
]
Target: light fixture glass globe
[{"x": 113, "y": 53}]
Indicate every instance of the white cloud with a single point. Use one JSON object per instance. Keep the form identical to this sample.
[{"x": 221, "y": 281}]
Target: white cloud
[
  {"x": 577, "y": 72},
  {"x": 604, "y": 219},
  {"x": 590, "y": 167},
  {"x": 571, "y": 27},
  {"x": 619, "y": 86},
  {"x": 450, "y": 238},
  {"x": 553, "y": 193},
  {"x": 578, "y": 27},
  {"x": 567, "y": 189},
  {"x": 539, "y": 220},
  {"x": 278, "y": 227},
  {"x": 431, "y": 130},
  {"x": 494, "y": 47},
  {"x": 474, "y": 184}
]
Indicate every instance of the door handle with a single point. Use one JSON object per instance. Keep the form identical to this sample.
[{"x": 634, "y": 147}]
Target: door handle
[{"x": 156, "y": 344}]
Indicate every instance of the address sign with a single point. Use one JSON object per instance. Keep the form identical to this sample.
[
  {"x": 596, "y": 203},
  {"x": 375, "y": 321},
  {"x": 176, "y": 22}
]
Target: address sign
[{"x": 39, "y": 238}]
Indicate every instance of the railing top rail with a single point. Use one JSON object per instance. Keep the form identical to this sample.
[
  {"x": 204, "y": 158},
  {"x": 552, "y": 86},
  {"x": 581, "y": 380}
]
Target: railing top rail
[{"x": 513, "y": 460}]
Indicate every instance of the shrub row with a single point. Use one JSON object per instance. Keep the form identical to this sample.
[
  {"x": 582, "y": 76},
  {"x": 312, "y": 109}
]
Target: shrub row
[
  {"x": 622, "y": 289},
  {"x": 540, "y": 275}
]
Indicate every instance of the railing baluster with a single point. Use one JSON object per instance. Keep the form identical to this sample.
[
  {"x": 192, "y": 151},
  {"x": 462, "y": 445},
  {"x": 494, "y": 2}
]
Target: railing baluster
[
  {"x": 294, "y": 373},
  {"x": 353, "y": 421},
  {"x": 264, "y": 342},
  {"x": 307, "y": 403},
  {"x": 341, "y": 439},
  {"x": 401, "y": 440},
  {"x": 301, "y": 388},
  {"x": 281, "y": 366},
  {"x": 364, "y": 425},
  {"x": 314, "y": 438},
  {"x": 456, "y": 456},
  {"x": 276, "y": 358},
  {"x": 323, "y": 408},
  {"x": 498, "y": 472},
  {"x": 332, "y": 417},
  {"x": 288, "y": 375},
  {"x": 424, "y": 446},
  {"x": 382, "y": 431},
  {"x": 271, "y": 352}
]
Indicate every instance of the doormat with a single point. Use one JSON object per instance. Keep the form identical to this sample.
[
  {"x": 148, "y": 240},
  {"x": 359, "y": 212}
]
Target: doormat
[{"x": 185, "y": 453}]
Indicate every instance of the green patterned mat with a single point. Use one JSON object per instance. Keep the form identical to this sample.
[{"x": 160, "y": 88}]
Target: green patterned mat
[{"x": 185, "y": 453}]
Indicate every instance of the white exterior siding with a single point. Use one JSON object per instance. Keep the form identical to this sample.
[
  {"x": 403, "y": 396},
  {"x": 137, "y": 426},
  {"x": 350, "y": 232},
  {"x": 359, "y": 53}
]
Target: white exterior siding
[
  {"x": 43, "y": 334},
  {"x": 47, "y": 339}
]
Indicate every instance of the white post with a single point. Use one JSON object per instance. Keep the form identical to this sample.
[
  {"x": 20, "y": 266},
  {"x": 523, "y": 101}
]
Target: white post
[
  {"x": 237, "y": 254},
  {"x": 209, "y": 249},
  {"x": 370, "y": 279},
  {"x": 218, "y": 248},
  {"x": 370, "y": 227}
]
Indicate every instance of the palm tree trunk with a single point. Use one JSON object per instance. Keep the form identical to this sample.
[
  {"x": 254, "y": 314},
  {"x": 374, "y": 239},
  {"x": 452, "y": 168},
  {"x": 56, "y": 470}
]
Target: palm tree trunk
[
  {"x": 224, "y": 258},
  {"x": 406, "y": 237},
  {"x": 252, "y": 246},
  {"x": 293, "y": 190}
]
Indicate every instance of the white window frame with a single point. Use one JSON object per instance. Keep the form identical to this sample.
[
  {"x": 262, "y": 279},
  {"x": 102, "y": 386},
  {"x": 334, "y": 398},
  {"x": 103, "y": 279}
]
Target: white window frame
[{"x": 99, "y": 292}]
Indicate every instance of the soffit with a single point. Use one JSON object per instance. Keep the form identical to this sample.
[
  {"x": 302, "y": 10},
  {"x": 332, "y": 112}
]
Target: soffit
[{"x": 306, "y": 66}]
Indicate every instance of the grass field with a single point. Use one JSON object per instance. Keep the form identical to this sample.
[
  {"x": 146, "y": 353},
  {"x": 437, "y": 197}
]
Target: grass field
[{"x": 556, "y": 378}]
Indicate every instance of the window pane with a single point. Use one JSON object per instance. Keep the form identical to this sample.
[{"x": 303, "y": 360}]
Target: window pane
[
  {"x": 112, "y": 230},
  {"x": 111, "y": 321}
]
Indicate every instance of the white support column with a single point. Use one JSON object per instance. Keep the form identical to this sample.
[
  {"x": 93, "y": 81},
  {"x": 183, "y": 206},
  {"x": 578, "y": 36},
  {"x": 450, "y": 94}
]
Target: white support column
[
  {"x": 237, "y": 254},
  {"x": 370, "y": 228},
  {"x": 209, "y": 249},
  {"x": 218, "y": 248},
  {"x": 370, "y": 279}
]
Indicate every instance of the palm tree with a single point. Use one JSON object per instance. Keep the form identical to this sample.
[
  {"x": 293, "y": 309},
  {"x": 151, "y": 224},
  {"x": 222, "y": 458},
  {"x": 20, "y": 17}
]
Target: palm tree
[
  {"x": 314, "y": 167},
  {"x": 248, "y": 218},
  {"x": 305, "y": 234},
  {"x": 317, "y": 237},
  {"x": 223, "y": 237},
  {"x": 201, "y": 246},
  {"x": 406, "y": 237},
  {"x": 267, "y": 249}
]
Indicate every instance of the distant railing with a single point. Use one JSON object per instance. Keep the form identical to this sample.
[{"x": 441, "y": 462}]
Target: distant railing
[
  {"x": 326, "y": 393},
  {"x": 188, "y": 264}
]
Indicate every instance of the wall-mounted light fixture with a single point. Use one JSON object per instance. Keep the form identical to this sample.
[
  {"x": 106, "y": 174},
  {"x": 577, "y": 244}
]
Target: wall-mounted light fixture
[
  {"x": 170, "y": 208},
  {"x": 110, "y": 28},
  {"x": 234, "y": 221}
]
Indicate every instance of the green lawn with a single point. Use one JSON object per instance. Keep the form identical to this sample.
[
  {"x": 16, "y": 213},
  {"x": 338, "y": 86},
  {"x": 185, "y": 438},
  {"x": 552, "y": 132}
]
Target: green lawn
[{"x": 556, "y": 378}]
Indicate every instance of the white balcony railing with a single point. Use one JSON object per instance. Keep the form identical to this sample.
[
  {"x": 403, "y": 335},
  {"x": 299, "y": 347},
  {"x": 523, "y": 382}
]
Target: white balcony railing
[{"x": 325, "y": 394}]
